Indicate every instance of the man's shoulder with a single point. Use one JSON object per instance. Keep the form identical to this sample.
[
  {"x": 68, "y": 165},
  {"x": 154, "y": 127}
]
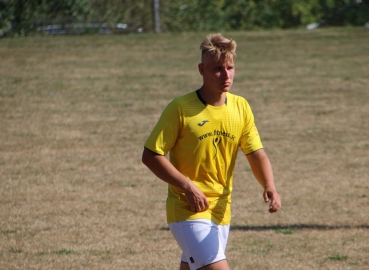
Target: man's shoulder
[
  {"x": 186, "y": 97},
  {"x": 184, "y": 100},
  {"x": 236, "y": 98}
]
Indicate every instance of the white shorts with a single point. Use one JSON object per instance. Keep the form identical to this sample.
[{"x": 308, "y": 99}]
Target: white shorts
[{"x": 202, "y": 241}]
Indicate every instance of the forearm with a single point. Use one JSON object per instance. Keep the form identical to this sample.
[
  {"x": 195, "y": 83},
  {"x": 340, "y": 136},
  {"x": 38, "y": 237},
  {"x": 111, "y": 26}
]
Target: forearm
[
  {"x": 262, "y": 169},
  {"x": 165, "y": 170}
]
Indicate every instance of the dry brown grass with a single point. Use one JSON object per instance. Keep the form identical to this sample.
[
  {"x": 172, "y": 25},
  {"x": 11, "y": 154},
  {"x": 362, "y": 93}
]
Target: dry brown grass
[{"x": 75, "y": 112}]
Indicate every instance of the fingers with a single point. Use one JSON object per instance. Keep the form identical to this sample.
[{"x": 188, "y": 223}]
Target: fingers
[
  {"x": 265, "y": 196},
  {"x": 199, "y": 206},
  {"x": 197, "y": 200},
  {"x": 275, "y": 201},
  {"x": 273, "y": 207}
]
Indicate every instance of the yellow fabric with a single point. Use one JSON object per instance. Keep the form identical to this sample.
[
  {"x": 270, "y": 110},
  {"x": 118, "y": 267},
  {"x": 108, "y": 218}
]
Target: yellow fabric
[{"x": 203, "y": 143}]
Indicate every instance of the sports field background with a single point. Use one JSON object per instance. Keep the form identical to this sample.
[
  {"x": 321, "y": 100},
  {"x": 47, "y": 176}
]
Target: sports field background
[{"x": 76, "y": 111}]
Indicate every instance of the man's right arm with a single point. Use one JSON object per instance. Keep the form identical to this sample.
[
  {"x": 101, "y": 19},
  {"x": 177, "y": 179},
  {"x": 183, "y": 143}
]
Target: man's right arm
[{"x": 165, "y": 170}]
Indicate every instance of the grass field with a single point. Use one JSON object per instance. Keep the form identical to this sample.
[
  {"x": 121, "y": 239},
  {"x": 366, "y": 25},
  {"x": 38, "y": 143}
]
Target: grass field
[{"x": 76, "y": 111}]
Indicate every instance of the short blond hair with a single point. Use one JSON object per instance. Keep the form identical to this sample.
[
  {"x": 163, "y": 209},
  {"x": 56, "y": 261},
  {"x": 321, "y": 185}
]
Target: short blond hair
[{"x": 219, "y": 47}]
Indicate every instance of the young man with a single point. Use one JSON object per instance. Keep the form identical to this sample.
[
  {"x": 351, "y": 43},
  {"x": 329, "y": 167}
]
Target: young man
[{"x": 203, "y": 131}]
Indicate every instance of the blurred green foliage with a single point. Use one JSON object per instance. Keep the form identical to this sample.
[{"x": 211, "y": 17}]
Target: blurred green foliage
[
  {"x": 22, "y": 17},
  {"x": 265, "y": 14}
]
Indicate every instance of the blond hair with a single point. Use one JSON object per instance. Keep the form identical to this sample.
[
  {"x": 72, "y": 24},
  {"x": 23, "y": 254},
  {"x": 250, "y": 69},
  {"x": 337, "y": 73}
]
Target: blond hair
[{"x": 219, "y": 47}]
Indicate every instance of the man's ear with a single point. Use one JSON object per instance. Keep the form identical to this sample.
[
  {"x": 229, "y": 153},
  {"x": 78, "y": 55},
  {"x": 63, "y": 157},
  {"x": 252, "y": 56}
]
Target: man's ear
[{"x": 201, "y": 68}]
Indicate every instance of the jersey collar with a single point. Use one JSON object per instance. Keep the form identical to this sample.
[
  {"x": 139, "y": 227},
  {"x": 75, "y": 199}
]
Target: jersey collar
[{"x": 203, "y": 101}]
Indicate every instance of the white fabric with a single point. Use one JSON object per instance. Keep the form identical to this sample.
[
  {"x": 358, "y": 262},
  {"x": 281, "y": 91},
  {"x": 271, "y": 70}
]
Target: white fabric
[{"x": 202, "y": 241}]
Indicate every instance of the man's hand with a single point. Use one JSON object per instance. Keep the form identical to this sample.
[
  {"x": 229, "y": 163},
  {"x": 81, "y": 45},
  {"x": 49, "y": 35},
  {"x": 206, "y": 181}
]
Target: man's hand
[
  {"x": 275, "y": 200},
  {"x": 196, "y": 199},
  {"x": 165, "y": 170},
  {"x": 263, "y": 172}
]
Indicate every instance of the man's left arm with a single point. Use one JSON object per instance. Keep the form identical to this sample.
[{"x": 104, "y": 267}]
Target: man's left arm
[{"x": 262, "y": 170}]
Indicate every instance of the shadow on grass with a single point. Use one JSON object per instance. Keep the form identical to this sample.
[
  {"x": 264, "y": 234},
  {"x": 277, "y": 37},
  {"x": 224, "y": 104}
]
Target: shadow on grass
[
  {"x": 298, "y": 227},
  {"x": 292, "y": 227}
]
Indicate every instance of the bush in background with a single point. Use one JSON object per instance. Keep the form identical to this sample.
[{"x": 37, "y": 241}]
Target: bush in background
[{"x": 22, "y": 17}]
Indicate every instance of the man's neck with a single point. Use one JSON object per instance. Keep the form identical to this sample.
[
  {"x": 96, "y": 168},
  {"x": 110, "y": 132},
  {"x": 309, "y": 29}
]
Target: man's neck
[{"x": 212, "y": 98}]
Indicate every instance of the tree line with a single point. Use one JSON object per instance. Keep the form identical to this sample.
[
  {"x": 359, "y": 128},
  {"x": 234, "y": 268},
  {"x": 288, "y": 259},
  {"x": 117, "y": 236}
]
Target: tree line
[{"x": 27, "y": 17}]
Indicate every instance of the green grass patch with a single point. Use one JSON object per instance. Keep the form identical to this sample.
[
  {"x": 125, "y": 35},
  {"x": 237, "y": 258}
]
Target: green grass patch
[
  {"x": 8, "y": 231},
  {"x": 285, "y": 231},
  {"x": 64, "y": 251},
  {"x": 15, "y": 250},
  {"x": 337, "y": 257},
  {"x": 17, "y": 80}
]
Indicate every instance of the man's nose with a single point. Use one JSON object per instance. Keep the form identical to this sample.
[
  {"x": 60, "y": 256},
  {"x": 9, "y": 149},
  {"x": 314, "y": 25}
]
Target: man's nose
[{"x": 225, "y": 73}]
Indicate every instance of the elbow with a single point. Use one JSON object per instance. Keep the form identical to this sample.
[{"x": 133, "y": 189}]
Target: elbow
[
  {"x": 144, "y": 158},
  {"x": 147, "y": 157}
]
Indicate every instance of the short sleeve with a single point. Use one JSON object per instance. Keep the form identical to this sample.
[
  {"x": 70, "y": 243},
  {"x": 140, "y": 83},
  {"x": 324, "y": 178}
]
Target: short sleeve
[
  {"x": 164, "y": 135},
  {"x": 250, "y": 140}
]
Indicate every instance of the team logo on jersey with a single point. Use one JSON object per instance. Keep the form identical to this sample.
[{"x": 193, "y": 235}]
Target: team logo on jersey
[
  {"x": 216, "y": 143},
  {"x": 203, "y": 123}
]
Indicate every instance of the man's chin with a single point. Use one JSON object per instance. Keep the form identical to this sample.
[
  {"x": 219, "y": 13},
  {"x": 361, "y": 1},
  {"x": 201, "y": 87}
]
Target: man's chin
[{"x": 226, "y": 89}]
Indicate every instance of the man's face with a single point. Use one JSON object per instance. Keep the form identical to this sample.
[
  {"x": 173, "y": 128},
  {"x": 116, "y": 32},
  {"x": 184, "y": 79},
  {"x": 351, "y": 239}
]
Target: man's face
[{"x": 217, "y": 75}]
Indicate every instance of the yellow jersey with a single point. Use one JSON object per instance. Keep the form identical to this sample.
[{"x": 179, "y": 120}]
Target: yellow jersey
[{"x": 203, "y": 142}]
